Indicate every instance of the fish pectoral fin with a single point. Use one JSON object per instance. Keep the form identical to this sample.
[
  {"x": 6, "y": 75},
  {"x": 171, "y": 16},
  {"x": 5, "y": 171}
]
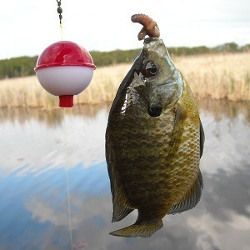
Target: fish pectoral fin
[
  {"x": 139, "y": 229},
  {"x": 120, "y": 211},
  {"x": 192, "y": 197},
  {"x": 202, "y": 139}
]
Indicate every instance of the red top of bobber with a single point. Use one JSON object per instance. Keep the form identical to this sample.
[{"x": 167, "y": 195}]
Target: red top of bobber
[{"x": 64, "y": 53}]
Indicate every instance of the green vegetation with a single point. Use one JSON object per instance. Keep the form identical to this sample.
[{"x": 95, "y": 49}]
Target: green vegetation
[
  {"x": 24, "y": 66},
  {"x": 16, "y": 67},
  {"x": 114, "y": 57}
]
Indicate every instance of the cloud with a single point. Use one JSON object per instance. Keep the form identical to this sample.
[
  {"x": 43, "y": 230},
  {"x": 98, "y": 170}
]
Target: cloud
[
  {"x": 222, "y": 213},
  {"x": 95, "y": 25}
]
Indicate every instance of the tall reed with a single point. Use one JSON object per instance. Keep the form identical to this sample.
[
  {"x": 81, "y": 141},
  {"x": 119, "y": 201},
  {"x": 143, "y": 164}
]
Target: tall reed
[{"x": 220, "y": 76}]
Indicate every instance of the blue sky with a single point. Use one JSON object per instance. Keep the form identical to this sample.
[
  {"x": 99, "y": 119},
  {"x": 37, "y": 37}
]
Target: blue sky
[{"x": 28, "y": 26}]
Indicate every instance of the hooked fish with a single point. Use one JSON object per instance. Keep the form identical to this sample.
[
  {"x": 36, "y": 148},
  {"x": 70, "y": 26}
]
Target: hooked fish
[{"x": 154, "y": 141}]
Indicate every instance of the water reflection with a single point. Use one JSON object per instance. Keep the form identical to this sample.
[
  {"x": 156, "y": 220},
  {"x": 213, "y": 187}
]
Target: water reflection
[
  {"x": 55, "y": 192},
  {"x": 51, "y": 117},
  {"x": 34, "y": 146},
  {"x": 223, "y": 108},
  {"x": 54, "y": 117}
]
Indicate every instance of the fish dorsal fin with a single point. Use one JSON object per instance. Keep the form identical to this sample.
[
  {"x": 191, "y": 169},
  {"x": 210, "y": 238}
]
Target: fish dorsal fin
[{"x": 191, "y": 199}]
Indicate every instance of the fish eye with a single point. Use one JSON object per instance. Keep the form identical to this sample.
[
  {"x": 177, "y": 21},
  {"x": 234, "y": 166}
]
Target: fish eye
[{"x": 150, "y": 69}]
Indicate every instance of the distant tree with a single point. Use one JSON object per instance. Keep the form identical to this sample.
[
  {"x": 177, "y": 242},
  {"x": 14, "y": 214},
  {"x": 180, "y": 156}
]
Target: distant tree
[
  {"x": 24, "y": 66},
  {"x": 246, "y": 47},
  {"x": 227, "y": 47},
  {"x": 16, "y": 67}
]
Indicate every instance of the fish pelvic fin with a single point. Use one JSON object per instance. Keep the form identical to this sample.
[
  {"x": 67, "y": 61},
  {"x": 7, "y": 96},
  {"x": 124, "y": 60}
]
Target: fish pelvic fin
[{"x": 139, "y": 229}]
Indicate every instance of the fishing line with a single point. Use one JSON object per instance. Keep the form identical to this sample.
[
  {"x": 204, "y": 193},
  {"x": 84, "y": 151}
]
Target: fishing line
[
  {"x": 69, "y": 213},
  {"x": 60, "y": 11},
  {"x": 61, "y": 32},
  {"x": 68, "y": 206}
]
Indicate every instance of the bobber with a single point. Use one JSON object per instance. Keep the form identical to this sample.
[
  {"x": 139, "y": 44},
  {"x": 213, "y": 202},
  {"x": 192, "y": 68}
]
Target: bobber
[{"x": 65, "y": 69}]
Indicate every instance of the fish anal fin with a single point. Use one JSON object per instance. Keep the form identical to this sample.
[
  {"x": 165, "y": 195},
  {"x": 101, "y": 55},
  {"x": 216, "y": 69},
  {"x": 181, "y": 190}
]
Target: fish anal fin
[
  {"x": 120, "y": 211},
  {"x": 121, "y": 207},
  {"x": 139, "y": 229},
  {"x": 192, "y": 197}
]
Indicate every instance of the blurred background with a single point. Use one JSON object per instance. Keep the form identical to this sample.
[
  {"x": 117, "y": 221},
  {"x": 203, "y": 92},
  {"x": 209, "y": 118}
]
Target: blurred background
[{"x": 54, "y": 185}]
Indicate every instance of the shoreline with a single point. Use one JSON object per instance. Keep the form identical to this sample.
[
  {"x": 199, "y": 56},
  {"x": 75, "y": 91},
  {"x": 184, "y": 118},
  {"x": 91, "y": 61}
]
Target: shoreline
[{"x": 217, "y": 77}]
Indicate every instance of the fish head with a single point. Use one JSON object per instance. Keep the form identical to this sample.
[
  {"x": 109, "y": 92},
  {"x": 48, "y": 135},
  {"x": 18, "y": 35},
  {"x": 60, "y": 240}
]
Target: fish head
[{"x": 161, "y": 83}]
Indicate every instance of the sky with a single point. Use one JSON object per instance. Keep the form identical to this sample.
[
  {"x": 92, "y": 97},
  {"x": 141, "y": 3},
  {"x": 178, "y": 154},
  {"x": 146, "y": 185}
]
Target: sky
[{"x": 28, "y": 26}]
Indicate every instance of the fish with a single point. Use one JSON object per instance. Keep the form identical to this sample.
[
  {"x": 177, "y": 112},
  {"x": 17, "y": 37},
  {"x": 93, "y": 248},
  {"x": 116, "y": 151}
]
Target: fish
[{"x": 154, "y": 142}]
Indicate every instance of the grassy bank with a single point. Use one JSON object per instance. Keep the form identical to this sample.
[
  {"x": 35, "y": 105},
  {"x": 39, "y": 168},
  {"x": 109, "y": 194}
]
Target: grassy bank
[
  {"x": 27, "y": 92},
  {"x": 219, "y": 76}
]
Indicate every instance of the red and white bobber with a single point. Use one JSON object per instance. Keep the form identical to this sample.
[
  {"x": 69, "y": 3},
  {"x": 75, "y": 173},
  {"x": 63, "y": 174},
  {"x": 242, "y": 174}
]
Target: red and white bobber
[{"x": 65, "y": 69}]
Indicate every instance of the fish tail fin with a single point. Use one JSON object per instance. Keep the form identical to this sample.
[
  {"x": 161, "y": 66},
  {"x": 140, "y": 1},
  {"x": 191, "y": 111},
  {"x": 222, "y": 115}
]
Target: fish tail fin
[{"x": 139, "y": 229}]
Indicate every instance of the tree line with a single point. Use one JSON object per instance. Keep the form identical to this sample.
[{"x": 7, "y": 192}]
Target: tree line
[{"x": 24, "y": 66}]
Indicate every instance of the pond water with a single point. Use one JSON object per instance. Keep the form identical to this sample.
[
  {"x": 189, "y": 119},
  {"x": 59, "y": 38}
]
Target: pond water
[{"x": 55, "y": 194}]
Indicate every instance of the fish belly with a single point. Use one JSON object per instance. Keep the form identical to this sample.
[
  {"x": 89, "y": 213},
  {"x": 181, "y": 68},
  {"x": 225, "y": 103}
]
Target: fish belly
[
  {"x": 155, "y": 169},
  {"x": 141, "y": 154}
]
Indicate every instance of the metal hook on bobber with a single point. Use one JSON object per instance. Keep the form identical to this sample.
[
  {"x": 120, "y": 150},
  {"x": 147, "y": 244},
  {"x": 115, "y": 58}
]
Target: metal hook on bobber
[{"x": 59, "y": 10}]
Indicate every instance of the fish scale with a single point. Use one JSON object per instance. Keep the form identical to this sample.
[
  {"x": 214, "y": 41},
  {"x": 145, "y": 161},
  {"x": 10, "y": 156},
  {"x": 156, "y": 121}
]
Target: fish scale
[
  {"x": 153, "y": 159},
  {"x": 149, "y": 148}
]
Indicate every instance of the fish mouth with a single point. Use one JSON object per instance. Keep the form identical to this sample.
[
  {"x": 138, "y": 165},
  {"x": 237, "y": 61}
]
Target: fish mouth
[{"x": 154, "y": 110}]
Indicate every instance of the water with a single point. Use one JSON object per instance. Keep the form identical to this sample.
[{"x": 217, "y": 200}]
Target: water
[{"x": 55, "y": 192}]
